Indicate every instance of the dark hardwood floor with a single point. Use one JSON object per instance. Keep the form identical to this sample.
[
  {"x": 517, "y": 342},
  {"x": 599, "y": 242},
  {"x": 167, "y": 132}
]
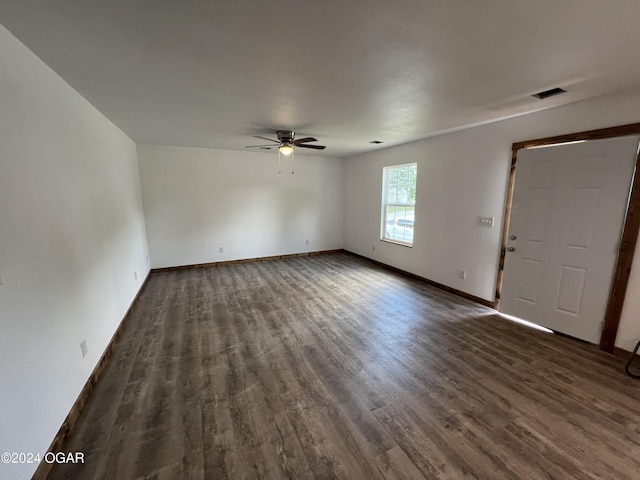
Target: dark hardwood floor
[{"x": 330, "y": 367}]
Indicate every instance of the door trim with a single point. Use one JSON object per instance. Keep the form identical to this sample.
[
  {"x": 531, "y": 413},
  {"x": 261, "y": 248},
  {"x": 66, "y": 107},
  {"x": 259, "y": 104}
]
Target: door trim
[{"x": 628, "y": 240}]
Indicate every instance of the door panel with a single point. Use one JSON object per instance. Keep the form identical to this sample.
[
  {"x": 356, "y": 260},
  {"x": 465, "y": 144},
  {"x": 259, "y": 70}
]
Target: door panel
[
  {"x": 568, "y": 208},
  {"x": 537, "y": 215},
  {"x": 529, "y": 280},
  {"x": 582, "y": 218},
  {"x": 571, "y": 289}
]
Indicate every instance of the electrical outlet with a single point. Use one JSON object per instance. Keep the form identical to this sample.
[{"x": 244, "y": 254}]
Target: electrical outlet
[
  {"x": 83, "y": 348},
  {"x": 486, "y": 221},
  {"x": 462, "y": 274},
  {"x": 221, "y": 249},
  {"x": 306, "y": 242},
  {"x": 373, "y": 248},
  {"x": 135, "y": 275}
]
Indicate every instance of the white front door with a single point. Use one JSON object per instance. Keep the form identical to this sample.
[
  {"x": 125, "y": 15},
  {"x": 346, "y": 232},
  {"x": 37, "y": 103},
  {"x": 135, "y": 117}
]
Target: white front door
[{"x": 568, "y": 209}]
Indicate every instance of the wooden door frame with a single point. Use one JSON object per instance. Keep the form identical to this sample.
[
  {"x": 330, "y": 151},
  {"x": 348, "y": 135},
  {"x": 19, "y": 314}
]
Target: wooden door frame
[{"x": 629, "y": 237}]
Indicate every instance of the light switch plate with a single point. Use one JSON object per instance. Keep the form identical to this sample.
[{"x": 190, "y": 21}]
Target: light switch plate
[{"x": 486, "y": 221}]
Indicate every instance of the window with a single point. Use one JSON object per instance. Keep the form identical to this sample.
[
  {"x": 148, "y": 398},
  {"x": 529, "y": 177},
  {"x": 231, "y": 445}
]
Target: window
[{"x": 399, "y": 203}]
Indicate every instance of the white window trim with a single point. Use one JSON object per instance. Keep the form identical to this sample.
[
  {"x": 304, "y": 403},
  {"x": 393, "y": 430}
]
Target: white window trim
[{"x": 384, "y": 206}]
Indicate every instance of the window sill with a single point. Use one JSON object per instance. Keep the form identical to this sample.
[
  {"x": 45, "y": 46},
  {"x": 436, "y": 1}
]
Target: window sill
[{"x": 396, "y": 242}]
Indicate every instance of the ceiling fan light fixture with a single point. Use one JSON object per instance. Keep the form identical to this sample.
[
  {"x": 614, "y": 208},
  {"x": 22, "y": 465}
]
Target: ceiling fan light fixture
[{"x": 286, "y": 148}]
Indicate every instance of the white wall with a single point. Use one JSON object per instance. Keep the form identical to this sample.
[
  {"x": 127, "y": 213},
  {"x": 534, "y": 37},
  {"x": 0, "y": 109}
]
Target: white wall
[
  {"x": 197, "y": 200},
  {"x": 71, "y": 236},
  {"x": 462, "y": 176}
]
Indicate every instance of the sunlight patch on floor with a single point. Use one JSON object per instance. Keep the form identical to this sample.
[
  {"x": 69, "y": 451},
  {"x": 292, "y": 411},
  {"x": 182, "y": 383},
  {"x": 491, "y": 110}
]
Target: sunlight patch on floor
[{"x": 526, "y": 323}]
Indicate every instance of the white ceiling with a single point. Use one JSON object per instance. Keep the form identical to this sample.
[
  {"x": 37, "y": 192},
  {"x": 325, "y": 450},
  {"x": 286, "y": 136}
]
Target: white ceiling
[{"x": 214, "y": 73}]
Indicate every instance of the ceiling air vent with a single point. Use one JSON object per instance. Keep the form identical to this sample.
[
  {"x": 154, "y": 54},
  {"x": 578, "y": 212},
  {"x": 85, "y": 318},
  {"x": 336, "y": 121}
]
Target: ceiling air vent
[{"x": 549, "y": 93}]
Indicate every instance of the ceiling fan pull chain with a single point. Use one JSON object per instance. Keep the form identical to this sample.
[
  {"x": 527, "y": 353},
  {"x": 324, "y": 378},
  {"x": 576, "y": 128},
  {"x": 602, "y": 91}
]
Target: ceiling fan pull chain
[
  {"x": 279, "y": 162},
  {"x": 293, "y": 155}
]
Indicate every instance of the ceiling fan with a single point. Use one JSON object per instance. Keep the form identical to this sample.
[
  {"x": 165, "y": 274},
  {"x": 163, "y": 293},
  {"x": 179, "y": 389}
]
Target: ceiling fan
[{"x": 286, "y": 142}]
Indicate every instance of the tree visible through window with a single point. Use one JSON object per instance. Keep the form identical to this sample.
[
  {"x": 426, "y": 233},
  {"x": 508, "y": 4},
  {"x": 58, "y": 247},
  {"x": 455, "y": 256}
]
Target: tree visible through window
[{"x": 399, "y": 203}]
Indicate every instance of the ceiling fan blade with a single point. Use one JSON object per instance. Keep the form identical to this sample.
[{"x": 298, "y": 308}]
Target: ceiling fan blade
[
  {"x": 265, "y": 138},
  {"x": 315, "y": 147},
  {"x": 260, "y": 146},
  {"x": 305, "y": 140}
]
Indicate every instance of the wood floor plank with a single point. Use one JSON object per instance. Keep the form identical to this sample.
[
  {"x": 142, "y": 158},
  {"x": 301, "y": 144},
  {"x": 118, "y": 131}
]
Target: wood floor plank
[{"x": 329, "y": 366}]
